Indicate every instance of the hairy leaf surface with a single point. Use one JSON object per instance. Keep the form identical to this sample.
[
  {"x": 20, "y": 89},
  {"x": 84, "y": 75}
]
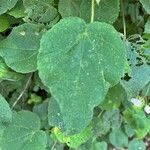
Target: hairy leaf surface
[
  {"x": 106, "y": 11},
  {"x": 75, "y": 61},
  {"x": 6, "y": 5},
  {"x": 24, "y": 133},
  {"x": 20, "y": 48}
]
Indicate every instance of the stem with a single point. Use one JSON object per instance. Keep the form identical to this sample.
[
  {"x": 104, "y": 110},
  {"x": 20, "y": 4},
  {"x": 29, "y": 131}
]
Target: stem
[
  {"x": 123, "y": 19},
  {"x": 23, "y": 91},
  {"x": 92, "y": 10}
]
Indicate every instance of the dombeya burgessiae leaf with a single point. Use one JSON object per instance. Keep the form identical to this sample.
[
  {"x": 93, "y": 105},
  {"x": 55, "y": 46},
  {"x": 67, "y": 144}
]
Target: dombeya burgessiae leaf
[
  {"x": 20, "y": 48},
  {"x": 7, "y": 74},
  {"x": 78, "y": 62},
  {"x": 146, "y": 5},
  {"x": 136, "y": 144},
  {"x": 6, "y": 5},
  {"x": 5, "y": 113},
  {"x": 106, "y": 11},
  {"x": 118, "y": 138},
  {"x": 24, "y": 133}
]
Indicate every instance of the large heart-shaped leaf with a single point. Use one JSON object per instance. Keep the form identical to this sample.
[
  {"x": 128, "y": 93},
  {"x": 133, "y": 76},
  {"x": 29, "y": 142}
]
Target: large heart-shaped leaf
[
  {"x": 106, "y": 10},
  {"x": 24, "y": 133},
  {"x": 20, "y": 48},
  {"x": 78, "y": 62}
]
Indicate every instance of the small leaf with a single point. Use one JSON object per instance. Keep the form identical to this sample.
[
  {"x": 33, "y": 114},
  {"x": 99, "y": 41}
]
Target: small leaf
[
  {"x": 99, "y": 145},
  {"x": 24, "y": 133},
  {"x": 118, "y": 139},
  {"x": 146, "y": 5},
  {"x": 5, "y": 113},
  {"x": 20, "y": 48},
  {"x": 140, "y": 76},
  {"x": 138, "y": 121},
  {"x": 6, "y": 5},
  {"x": 8, "y": 74},
  {"x": 40, "y": 11},
  {"x": 113, "y": 98},
  {"x": 18, "y": 11},
  {"x": 147, "y": 26},
  {"x": 73, "y": 141},
  {"x": 136, "y": 145},
  {"x": 4, "y": 23}
]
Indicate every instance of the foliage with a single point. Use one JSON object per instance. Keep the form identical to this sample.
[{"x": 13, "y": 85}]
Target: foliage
[{"x": 74, "y": 74}]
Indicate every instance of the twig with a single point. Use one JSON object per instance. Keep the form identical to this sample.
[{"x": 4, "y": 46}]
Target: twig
[
  {"x": 92, "y": 10},
  {"x": 54, "y": 145},
  {"x": 23, "y": 91},
  {"x": 123, "y": 19}
]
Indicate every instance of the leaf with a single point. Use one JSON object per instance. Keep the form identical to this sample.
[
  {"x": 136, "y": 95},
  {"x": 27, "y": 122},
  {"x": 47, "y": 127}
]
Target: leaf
[
  {"x": 113, "y": 98},
  {"x": 146, "y": 5},
  {"x": 79, "y": 79},
  {"x": 55, "y": 117},
  {"x": 42, "y": 110},
  {"x": 20, "y": 48},
  {"x": 24, "y": 133},
  {"x": 6, "y": 5},
  {"x": 138, "y": 121},
  {"x": 140, "y": 76},
  {"x": 129, "y": 131},
  {"x": 147, "y": 26},
  {"x": 8, "y": 74},
  {"x": 40, "y": 11},
  {"x": 136, "y": 145},
  {"x": 5, "y": 113},
  {"x": 4, "y": 23},
  {"x": 99, "y": 145},
  {"x": 106, "y": 11},
  {"x": 118, "y": 139},
  {"x": 73, "y": 141},
  {"x": 18, "y": 11}
]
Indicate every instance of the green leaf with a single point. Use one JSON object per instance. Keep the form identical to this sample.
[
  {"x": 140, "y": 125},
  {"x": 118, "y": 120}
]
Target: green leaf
[
  {"x": 55, "y": 117},
  {"x": 4, "y": 23},
  {"x": 99, "y": 145},
  {"x": 40, "y": 11},
  {"x": 146, "y": 5},
  {"x": 113, "y": 98},
  {"x": 6, "y": 5},
  {"x": 8, "y": 74},
  {"x": 129, "y": 131},
  {"x": 106, "y": 11},
  {"x": 118, "y": 139},
  {"x": 138, "y": 121},
  {"x": 5, "y": 113},
  {"x": 147, "y": 26},
  {"x": 114, "y": 117},
  {"x": 82, "y": 73},
  {"x": 20, "y": 48},
  {"x": 42, "y": 110},
  {"x": 140, "y": 76},
  {"x": 18, "y": 11},
  {"x": 24, "y": 133},
  {"x": 73, "y": 141},
  {"x": 136, "y": 145}
]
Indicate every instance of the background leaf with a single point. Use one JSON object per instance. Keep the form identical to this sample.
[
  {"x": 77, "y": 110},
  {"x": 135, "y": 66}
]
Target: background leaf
[
  {"x": 20, "y": 48},
  {"x": 24, "y": 133},
  {"x": 106, "y": 11}
]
